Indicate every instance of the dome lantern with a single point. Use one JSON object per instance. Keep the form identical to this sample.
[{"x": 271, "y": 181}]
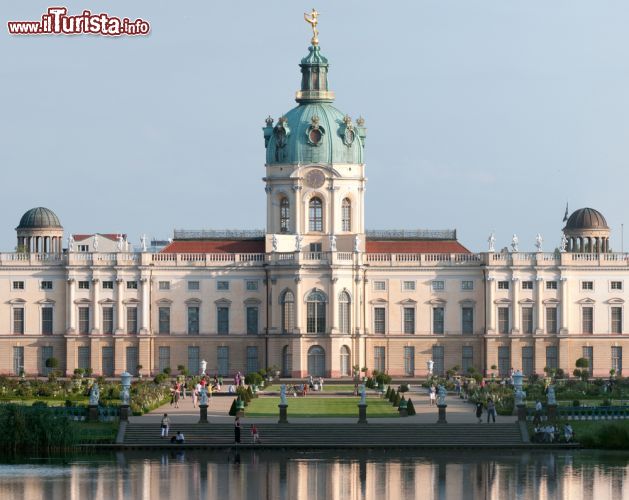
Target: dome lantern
[
  {"x": 39, "y": 231},
  {"x": 587, "y": 231}
]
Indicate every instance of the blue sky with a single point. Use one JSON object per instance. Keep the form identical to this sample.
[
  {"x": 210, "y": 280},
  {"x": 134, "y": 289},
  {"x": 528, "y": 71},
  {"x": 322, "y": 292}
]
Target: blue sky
[{"x": 482, "y": 115}]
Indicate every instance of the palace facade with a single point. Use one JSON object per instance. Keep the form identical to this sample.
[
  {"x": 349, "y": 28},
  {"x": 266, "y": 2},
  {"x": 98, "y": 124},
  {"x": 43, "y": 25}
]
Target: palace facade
[{"x": 315, "y": 292}]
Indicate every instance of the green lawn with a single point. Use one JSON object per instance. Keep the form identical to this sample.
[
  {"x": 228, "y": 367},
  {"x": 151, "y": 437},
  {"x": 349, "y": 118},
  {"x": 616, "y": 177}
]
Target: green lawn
[
  {"x": 320, "y": 407},
  {"x": 338, "y": 388},
  {"x": 96, "y": 432}
]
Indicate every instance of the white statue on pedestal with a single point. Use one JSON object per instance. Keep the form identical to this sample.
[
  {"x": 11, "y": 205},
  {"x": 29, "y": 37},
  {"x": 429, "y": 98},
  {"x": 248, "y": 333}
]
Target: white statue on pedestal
[
  {"x": 274, "y": 242},
  {"x": 492, "y": 242},
  {"x": 299, "y": 239},
  {"x": 564, "y": 242},
  {"x": 143, "y": 242},
  {"x": 332, "y": 243},
  {"x": 356, "y": 244},
  {"x": 538, "y": 242},
  {"x": 430, "y": 364},
  {"x": 120, "y": 242},
  {"x": 94, "y": 395},
  {"x": 70, "y": 243},
  {"x": 95, "y": 244},
  {"x": 514, "y": 243},
  {"x": 283, "y": 395},
  {"x": 203, "y": 367}
]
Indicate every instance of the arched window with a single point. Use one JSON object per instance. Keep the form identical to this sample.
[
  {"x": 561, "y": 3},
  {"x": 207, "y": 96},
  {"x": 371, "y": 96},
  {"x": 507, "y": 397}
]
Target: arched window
[
  {"x": 316, "y": 312},
  {"x": 284, "y": 215},
  {"x": 315, "y": 214},
  {"x": 287, "y": 302},
  {"x": 316, "y": 361},
  {"x": 346, "y": 215},
  {"x": 344, "y": 312},
  {"x": 345, "y": 361},
  {"x": 287, "y": 362}
]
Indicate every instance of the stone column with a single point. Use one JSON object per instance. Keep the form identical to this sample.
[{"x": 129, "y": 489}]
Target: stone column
[
  {"x": 95, "y": 306},
  {"x": 71, "y": 309},
  {"x": 442, "y": 414},
  {"x": 297, "y": 224},
  {"x": 283, "y": 414},
  {"x": 564, "y": 305},
  {"x": 120, "y": 326},
  {"x": 491, "y": 309},
  {"x": 539, "y": 306},
  {"x": 362, "y": 413},
  {"x": 515, "y": 328},
  {"x": 146, "y": 300},
  {"x": 298, "y": 305},
  {"x": 334, "y": 306}
]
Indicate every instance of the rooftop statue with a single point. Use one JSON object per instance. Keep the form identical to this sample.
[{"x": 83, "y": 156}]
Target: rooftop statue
[{"x": 313, "y": 20}]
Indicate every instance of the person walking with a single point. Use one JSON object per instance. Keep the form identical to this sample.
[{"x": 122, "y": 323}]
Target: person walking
[
  {"x": 255, "y": 435},
  {"x": 165, "y": 425},
  {"x": 491, "y": 410},
  {"x": 479, "y": 412},
  {"x": 237, "y": 430},
  {"x": 176, "y": 395}
]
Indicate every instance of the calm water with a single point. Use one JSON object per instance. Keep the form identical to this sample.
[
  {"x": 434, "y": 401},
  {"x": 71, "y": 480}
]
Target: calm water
[{"x": 325, "y": 475}]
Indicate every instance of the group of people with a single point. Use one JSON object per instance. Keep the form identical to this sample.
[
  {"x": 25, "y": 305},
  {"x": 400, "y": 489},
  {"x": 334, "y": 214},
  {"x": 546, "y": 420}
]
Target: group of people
[
  {"x": 490, "y": 409},
  {"x": 205, "y": 384},
  {"x": 178, "y": 438},
  {"x": 550, "y": 433}
]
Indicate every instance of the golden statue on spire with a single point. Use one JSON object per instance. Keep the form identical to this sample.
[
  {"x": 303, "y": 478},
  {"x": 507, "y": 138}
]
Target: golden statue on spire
[{"x": 313, "y": 20}]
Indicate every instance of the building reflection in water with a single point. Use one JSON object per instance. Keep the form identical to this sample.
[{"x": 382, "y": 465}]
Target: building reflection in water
[{"x": 330, "y": 476}]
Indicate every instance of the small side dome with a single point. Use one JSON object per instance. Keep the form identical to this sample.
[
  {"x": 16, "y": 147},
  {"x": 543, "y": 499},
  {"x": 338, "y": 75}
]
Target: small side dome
[
  {"x": 39, "y": 218},
  {"x": 586, "y": 218}
]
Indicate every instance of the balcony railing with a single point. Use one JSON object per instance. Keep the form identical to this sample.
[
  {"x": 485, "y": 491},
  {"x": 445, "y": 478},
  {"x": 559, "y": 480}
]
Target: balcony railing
[{"x": 490, "y": 259}]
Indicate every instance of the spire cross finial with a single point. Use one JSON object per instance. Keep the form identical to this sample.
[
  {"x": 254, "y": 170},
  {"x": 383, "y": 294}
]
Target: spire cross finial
[{"x": 313, "y": 20}]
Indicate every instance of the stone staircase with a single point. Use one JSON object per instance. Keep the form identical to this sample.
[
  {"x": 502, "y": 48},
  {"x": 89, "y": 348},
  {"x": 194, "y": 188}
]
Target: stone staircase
[{"x": 334, "y": 435}]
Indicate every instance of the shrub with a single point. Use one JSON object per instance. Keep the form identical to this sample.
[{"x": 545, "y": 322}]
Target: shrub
[
  {"x": 387, "y": 394},
  {"x": 576, "y": 402},
  {"x": 383, "y": 378},
  {"x": 52, "y": 363},
  {"x": 160, "y": 378},
  {"x": 403, "y": 388},
  {"x": 254, "y": 378},
  {"x": 167, "y": 370},
  {"x": 505, "y": 405},
  {"x": 410, "y": 408},
  {"x": 397, "y": 399},
  {"x": 34, "y": 429},
  {"x": 232, "y": 408}
]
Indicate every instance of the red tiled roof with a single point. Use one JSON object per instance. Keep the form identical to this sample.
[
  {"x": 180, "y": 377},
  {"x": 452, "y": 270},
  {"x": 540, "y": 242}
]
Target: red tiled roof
[
  {"x": 416, "y": 246},
  {"x": 215, "y": 246},
  {"x": 110, "y": 236}
]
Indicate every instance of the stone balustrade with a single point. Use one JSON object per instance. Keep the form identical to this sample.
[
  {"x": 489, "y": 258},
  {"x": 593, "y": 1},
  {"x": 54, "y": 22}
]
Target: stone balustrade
[{"x": 488, "y": 259}]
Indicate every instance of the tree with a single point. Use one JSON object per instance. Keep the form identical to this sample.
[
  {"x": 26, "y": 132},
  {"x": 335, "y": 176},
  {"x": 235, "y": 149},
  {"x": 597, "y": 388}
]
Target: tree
[
  {"x": 582, "y": 369},
  {"x": 52, "y": 363}
]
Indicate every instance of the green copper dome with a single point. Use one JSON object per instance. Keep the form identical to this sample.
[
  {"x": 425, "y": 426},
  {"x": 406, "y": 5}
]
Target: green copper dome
[
  {"x": 39, "y": 218},
  {"x": 315, "y": 131}
]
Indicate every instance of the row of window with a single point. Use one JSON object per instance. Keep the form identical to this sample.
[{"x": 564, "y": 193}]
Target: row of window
[
  {"x": 409, "y": 320},
  {"x": 222, "y": 320},
  {"x": 411, "y": 285},
  {"x": 438, "y": 357},
  {"x": 587, "y": 319},
  {"x": 132, "y": 359},
  {"x": 552, "y": 285},
  {"x": 315, "y": 215},
  {"x": 221, "y": 285}
]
